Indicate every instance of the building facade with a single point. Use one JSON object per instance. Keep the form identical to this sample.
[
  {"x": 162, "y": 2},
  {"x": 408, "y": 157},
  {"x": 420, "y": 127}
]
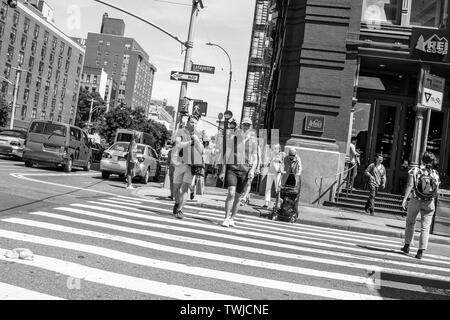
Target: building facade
[
  {"x": 97, "y": 80},
  {"x": 258, "y": 70},
  {"x": 353, "y": 68},
  {"x": 124, "y": 60},
  {"x": 50, "y": 64}
]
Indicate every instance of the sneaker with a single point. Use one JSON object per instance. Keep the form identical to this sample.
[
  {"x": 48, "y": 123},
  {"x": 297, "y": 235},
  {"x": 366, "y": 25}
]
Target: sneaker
[
  {"x": 419, "y": 254},
  {"x": 192, "y": 196},
  {"x": 175, "y": 209},
  {"x": 130, "y": 188},
  {"x": 405, "y": 248},
  {"x": 179, "y": 214},
  {"x": 231, "y": 223},
  {"x": 170, "y": 197},
  {"x": 226, "y": 223}
]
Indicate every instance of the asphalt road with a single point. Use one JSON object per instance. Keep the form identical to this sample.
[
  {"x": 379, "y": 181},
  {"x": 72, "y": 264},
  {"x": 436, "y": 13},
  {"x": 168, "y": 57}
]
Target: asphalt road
[{"x": 93, "y": 239}]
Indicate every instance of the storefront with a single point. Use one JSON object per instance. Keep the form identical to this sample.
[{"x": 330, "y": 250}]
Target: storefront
[{"x": 356, "y": 66}]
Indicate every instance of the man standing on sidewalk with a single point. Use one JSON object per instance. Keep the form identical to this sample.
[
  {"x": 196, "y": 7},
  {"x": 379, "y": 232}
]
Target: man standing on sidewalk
[
  {"x": 354, "y": 163},
  {"x": 241, "y": 159},
  {"x": 377, "y": 177},
  {"x": 186, "y": 143}
]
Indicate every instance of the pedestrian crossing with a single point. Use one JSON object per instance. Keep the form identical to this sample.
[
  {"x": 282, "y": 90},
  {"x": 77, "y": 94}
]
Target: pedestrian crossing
[{"x": 130, "y": 245}]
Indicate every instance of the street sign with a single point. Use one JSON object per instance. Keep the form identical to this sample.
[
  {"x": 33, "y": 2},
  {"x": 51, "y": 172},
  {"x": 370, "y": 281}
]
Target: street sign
[
  {"x": 433, "y": 92},
  {"x": 199, "y": 108},
  {"x": 202, "y": 68},
  {"x": 184, "y": 76}
]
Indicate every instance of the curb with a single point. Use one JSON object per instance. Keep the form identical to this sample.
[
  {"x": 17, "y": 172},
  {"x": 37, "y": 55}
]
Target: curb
[{"x": 396, "y": 234}]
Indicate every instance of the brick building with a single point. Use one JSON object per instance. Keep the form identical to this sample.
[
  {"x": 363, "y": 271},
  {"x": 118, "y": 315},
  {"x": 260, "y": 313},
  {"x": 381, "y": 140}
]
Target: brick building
[
  {"x": 353, "y": 68},
  {"x": 124, "y": 60},
  {"x": 50, "y": 61}
]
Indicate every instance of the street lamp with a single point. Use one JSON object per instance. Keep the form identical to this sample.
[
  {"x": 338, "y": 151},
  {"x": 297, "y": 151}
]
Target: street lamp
[
  {"x": 231, "y": 71},
  {"x": 16, "y": 91}
]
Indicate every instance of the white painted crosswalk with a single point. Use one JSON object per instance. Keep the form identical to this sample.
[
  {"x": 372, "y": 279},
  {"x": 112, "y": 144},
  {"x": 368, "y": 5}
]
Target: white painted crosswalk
[{"x": 136, "y": 245}]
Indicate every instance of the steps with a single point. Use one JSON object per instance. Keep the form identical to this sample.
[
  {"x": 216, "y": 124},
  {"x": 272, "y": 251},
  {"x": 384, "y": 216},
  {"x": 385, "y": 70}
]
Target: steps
[{"x": 356, "y": 200}]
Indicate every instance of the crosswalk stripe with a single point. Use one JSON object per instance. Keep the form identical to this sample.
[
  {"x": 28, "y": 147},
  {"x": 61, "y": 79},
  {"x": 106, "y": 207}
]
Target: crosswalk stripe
[
  {"x": 113, "y": 279},
  {"x": 287, "y": 226},
  {"x": 10, "y": 292},
  {"x": 192, "y": 253},
  {"x": 236, "y": 260},
  {"x": 197, "y": 271},
  {"x": 270, "y": 229},
  {"x": 247, "y": 248},
  {"x": 298, "y": 240}
]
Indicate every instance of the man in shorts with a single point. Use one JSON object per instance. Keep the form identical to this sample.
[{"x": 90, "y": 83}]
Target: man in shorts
[
  {"x": 241, "y": 160},
  {"x": 186, "y": 143}
]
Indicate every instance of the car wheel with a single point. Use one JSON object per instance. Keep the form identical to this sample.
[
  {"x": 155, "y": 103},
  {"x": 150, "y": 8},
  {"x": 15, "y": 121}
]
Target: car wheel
[
  {"x": 146, "y": 177},
  {"x": 68, "y": 166},
  {"x": 28, "y": 164},
  {"x": 105, "y": 175},
  {"x": 88, "y": 166}
]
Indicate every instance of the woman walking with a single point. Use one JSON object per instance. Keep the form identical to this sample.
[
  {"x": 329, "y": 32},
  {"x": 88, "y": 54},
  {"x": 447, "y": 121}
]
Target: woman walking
[
  {"x": 423, "y": 185},
  {"x": 274, "y": 173}
]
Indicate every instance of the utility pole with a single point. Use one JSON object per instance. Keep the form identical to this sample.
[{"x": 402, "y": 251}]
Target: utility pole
[
  {"x": 90, "y": 111},
  {"x": 187, "y": 60},
  {"x": 16, "y": 91}
]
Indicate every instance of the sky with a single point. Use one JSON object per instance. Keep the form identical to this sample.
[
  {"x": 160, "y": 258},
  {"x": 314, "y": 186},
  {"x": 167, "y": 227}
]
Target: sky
[{"x": 227, "y": 23}]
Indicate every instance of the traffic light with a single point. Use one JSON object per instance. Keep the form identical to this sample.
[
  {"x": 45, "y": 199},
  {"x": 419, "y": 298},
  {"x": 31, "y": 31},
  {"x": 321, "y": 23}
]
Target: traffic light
[
  {"x": 12, "y": 3},
  {"x": 199, "y": 108}
]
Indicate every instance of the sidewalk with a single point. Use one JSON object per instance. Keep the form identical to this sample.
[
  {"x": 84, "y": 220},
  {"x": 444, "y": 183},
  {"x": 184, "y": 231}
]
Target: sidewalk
[{"x": 386, "y": 225}]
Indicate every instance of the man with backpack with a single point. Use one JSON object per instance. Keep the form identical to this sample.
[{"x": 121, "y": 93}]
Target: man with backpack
[
  {"x": 376, "y": 173},
  {"x": 423, "y": 185}
]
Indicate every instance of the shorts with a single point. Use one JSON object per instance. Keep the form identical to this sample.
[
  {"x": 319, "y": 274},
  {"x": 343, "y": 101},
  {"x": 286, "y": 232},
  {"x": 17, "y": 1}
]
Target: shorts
[
  {"x": 183, "y": 174},
  {"x": 237, "y": 177}
]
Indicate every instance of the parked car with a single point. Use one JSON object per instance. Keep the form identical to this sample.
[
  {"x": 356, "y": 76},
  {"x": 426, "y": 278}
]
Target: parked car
[
  {"x": 56, "y": 143},
  {"x": 12, "y": 142},
  {"x": 114, "y": 162}
]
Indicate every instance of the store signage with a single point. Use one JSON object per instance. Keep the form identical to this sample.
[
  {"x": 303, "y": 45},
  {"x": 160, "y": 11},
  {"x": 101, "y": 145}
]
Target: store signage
[
  {"x": 429, "y": 44},
  {"x": 433, "y": 92},
  {"x": 314, "y": 123}
]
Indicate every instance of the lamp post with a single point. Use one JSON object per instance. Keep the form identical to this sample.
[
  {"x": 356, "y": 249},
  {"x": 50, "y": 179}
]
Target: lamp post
[
  {"x": 16, "y": 91},
  {"x": 227, "y": 116},
  {"x": 231, "y": 71}
]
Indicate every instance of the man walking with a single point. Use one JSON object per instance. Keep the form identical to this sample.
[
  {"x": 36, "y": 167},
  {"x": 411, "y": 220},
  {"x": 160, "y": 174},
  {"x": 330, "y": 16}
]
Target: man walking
[
  {"x": 376, "y": 173},
  {"x": 187, "y": 151},
  {"x": 354, "y": 163},
  {"x": 241, "y": 160}
]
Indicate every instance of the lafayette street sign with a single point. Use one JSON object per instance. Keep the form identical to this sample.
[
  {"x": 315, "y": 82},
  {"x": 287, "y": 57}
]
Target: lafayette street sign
[
  {"x": 202, "y": 68},
  {"x": 184, "y": 76}
]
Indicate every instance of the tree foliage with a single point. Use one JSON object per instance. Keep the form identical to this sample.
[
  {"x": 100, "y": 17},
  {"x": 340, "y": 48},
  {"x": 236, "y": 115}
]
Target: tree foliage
[
  {"x": 123, "y": 117},
  {"x": 84, "y": 106},
  {"x": 4, "y": 114}
]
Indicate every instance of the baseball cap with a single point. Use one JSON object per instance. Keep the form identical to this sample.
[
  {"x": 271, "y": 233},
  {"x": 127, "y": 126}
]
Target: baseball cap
[
  {"x": 292, "y": 152},
  {"x": 246, "y": 120}
]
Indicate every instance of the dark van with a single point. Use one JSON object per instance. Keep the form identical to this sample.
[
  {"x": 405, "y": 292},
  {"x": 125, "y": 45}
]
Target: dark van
[{"x": 56, "y": 143}]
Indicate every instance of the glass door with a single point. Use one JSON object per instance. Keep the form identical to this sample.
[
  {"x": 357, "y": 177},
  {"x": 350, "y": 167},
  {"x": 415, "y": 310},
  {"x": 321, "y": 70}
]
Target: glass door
[{"x": 385, "y": 136}]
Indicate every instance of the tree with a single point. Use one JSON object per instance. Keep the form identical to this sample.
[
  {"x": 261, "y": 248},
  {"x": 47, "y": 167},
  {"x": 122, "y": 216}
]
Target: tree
[
  {"x": 4, "y": 114},
  {"x": 84, "y": 107}
]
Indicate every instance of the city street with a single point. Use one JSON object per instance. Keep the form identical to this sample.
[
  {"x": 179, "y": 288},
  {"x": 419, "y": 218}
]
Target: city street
[{"x": 93, "y": 239}]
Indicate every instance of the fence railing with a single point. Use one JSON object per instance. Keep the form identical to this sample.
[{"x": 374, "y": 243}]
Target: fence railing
[{"x": 338, "y": 180}]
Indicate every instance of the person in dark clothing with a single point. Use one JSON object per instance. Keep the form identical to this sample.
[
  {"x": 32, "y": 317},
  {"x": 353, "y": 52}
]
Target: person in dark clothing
[
  {"x": 131, "y": 161},
  {"x": 376, "y": 173}
]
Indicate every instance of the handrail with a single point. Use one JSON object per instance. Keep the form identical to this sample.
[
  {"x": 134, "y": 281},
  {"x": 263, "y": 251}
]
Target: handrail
[{"x": 337, "y": 179}]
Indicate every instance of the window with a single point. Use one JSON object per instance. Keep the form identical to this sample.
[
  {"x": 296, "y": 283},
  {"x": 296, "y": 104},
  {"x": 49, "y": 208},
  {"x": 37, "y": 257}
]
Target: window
[
  {"x": 381, "y": 11},
  {"x": 59, "y": 118},
  {"x": 58, "y": 75},
  {"x": 12, "y": 36},
  {"x": 38, "y": 84},
  {"x": 128, "y": 46},
  {"x": 20, "y": 59},
  {"x": 78, "y": 71},
  {"x": 95, "y": 80},
  {"x": 26, "y": 25},
  {"x": 67, "y": 66},
  {"x": 63, "y": 93},
  {"x": 24, "y": 112},
  {"x": 3, "y": 10},
  {"x": 100, "y": 42},
  {"x": 52, "y": 116},
  {"x": 55, "y": 90},
  {"x": 49, "y": 72},
  {"x": 42, "y": 115},
  {"x": 80, "y": 59},
  {"x": 59, "y": 62},
  {"x": 33, "y": 116},
  {"x": 54, "y": 43},
  {"x": 88, "y": 78},
  {"x": 52, "y": 57},
  {"x": 10, "y": 53},
  {"x": 45, "y": 102},
  {"x": 23, "y": 42},
  {"x": 4, "y": 87},
  {"x": 15, "y": 18},
  {"x": 64, "y": 82},
  {"x": 427, "y": 13},
  {"x": 36, "y": 99},
  {"x": 43, "y": 52},
  {"x": 47, "y": 87},
  {"x": 69, "y": 52},
  {"x": 108, "y": 43},
  {"x": 33, "y": 47},
  {"x": 26, "y": 94},
  {"x": 53, "y": 104},
  {"x": 28, "y": 78},
  {"x": 41, "y": 68},
  {"x": 36, "y": 31},
  {"x": 46, "y": 35},
  {"x": 62, "y": 47},
  {"x": 2, "y": 28}
]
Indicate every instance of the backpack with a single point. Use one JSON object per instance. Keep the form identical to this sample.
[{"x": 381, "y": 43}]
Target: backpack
[{"x": 425, "y": 185}]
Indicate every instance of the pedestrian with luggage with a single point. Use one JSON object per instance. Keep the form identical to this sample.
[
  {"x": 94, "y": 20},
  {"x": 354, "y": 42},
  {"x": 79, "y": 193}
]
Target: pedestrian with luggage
[
  {"x": 422, "y": 189},
  {"x": 241, "y": 160},
  {"x": 131, "y": 161},
  {"x": 376, "y": 173}
]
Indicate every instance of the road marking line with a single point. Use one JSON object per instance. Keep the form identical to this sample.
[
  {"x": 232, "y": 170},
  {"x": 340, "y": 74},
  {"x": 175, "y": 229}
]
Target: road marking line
[
  {"x": 298, "y": 240},
  {"x": 190, "y": 270},
  {"x": 125, "y": 201},
  {"x": 10, "y": 292},
  {"x": 278, "y": 246},
  {"x": 269, "y": 227},
  {"x": 118, "y": 280}
]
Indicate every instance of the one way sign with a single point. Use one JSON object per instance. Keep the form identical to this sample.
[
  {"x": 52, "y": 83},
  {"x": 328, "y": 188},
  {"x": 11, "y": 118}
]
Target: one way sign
[{"x": 184, "y": 76}]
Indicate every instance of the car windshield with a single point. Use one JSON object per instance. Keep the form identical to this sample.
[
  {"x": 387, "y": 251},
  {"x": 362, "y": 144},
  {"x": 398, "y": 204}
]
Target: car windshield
[
  {"x": 123, "y": 146},
  {"x": 15, "y": 134}
]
